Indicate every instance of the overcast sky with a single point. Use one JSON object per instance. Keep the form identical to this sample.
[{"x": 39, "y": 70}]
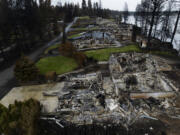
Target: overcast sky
[{"x": 111, "y": 4}]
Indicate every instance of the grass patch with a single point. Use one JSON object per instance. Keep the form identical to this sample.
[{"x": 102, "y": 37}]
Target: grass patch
[
  {"x": 112, "y": 20},
  {"x": 162, "y": 53},
  {"x": 85, "y": 29},
  {"x": 166, "y": 54},
  {"x": 94, "y": 28},
  {"x": 74, "y": 36},
  {"x": 77, "y": 32},
  {"x": 83, "y": 22},
  {"x": 104, "y": 54},
  {"x": 74, "y": 33},
  {"x": 80, "y": 29},
  {"x": 51, "y": 48},
  {"x": 84, "y": 18},
  {"x": 59, "y": 64}
]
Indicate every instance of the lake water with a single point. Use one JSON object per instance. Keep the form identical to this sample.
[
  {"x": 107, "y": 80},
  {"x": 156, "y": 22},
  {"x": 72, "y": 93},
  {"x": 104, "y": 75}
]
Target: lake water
[{"x": 176, "y": 42}]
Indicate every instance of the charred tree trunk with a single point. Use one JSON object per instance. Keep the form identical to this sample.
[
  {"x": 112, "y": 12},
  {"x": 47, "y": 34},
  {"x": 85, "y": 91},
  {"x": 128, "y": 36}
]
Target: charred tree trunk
[
  {"x": 156, "y": 24},
  {"x": 145, "y": 28},
  {"x": 151, "y": 25},
  {"x": 165, "y": 27},
  {"x": 175, "y": 28}
]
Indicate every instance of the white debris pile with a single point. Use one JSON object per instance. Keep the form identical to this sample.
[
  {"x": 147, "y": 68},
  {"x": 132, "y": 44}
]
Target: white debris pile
[{"x": 135, "y": 89}]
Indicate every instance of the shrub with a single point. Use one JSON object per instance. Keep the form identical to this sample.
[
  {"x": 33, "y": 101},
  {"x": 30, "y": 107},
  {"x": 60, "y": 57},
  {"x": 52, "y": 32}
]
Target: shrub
[
  {"x": 80, "y": 58},
  {"x": 25, "y": 70},
  {"x": 51, "y": 76},
  {"x": 67, "y": 49},
  {"x": 20, "y": 118}
]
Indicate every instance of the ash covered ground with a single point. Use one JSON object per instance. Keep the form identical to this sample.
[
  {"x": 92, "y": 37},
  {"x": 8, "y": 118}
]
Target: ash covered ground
[{"x": 132, "y": 95}]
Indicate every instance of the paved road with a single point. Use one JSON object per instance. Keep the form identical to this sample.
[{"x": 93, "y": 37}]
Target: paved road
[{"x": 7, "y": 80}]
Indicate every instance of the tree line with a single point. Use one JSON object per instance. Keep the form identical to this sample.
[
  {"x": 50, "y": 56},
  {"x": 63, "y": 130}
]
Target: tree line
[{"x": 24, "y": 24}]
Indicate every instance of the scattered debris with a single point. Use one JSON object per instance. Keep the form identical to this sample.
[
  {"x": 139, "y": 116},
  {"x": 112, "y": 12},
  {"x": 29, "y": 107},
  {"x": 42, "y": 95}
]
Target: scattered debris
[
  {"x": 131, "y": 89},
  {"x": 134, "y": 90}
]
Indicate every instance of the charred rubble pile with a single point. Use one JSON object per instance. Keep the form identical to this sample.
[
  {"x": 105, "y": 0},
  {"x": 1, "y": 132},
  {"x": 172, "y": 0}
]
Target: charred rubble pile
[
  {"x": 135, "y": 90},
  {"x": 95, "y": 39},
  {"x": 93, "y": 43}
]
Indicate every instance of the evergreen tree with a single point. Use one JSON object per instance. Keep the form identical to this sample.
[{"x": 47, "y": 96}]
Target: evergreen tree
[
  {"x": 89, "y": 7},
  {"x": 20, "y": 118},
  {"x": 26, "y": 71},
  {"x": 84, "y": 6}
]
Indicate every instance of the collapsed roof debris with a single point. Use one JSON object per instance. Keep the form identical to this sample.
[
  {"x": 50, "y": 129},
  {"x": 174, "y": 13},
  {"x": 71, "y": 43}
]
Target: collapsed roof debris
[
  {"x": 132, "y": 87},
  {"x": 134, "y": 90}
]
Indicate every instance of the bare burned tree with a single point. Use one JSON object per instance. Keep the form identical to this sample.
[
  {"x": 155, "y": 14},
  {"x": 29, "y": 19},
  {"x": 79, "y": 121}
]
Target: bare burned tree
[
  {"x": 146, "y": 10},
  {"x": 156, "y": 5},
  {"x": 177, "y": 21},
  {"x": 89, "y": 7},
  {"x": 166, "y": 22},
  {"x": 84, "y": 7},
  {"x": 139, "y": 15},
  {"x": 126, "y": 12},
  {"x": 143, "y": 11},
  {"x": 157, "y": 20}
]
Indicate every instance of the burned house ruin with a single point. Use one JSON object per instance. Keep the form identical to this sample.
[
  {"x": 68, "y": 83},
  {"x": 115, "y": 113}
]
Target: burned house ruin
[
  {"x": 136, "y": 89},
  {"x": 131, "y": 89}
]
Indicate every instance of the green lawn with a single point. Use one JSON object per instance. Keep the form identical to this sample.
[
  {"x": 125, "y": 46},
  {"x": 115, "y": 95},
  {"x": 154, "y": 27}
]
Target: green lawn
[
  {"x": 85, "y": 29},
  {"x": 84, "y": 18},
  {"x": 59, "y": 64},
  {"x": 51, "y": 48},
  {"x": 78, "y": 31},
  {"x": 104, "y": 54},
  {"x": 74, "y": 36},
  {"x": 113, "y": 20}
]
